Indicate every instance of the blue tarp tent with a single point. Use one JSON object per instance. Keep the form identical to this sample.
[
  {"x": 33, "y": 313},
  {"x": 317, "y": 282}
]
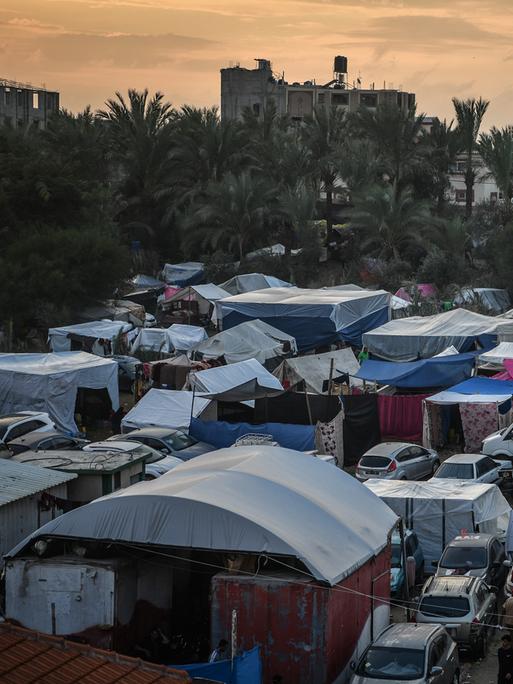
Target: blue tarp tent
[
  {"x": 312, "y": 317},
  {"x": 188, "y": 273},
  {"x": 247, "y": 669},
  {"x": 221, "y": 434},
  {"x": 440, "y": 371}
]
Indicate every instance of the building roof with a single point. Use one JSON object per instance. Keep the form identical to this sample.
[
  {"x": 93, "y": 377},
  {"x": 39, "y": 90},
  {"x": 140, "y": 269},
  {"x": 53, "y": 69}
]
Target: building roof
[
  {"x": 82, "y": 462},
  {"x": 18, "y": 480},
  {"x": 27, "y": 656}
]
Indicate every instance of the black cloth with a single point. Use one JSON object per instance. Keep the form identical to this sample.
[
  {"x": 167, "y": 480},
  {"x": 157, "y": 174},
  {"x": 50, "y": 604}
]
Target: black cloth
[
  {"x": 505, "y": 656},
  {"x": 361, "y": 426},
  {"x": 291, "y": 407}
]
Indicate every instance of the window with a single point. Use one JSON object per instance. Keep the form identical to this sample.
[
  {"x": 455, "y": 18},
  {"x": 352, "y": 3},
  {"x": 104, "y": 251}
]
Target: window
[
  {"x": 498, "y": 554},
  {"x": 138, "y": 477},
  {"x": 35, "y": 100},
  {"x": 463, "y": 558},
  {"x": 460, "y": 471},
  {"x": 117, "y": 481},
  {"x": 461, "y": 196},
  {"x": 399, "y": 100},
  {"x": 321, "y": 98},
  {"x": 444, "y": 606},
  {"x": 7, "y": 97},
  {"x": 24, "y": 428},
  {"x": 106, "y": 484},
  {"x": 395, "y": 664},
  {"x": 179, "y": 440},
  {"x": 417, "y": 451},
  {"x": 369, "y": 99},
  {"x": 371, "y": 461},
  {"x": 404, "y": 455},
  {"x": 338, "y": 99},
  {"x": 20, "y": 98},
  {"x": 485, "y": 465}
]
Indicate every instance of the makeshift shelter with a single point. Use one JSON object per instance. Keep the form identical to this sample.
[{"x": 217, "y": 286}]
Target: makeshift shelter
[
  {"x": 116, "y": 310},
  {"x": 50, "y": 383},
  {"x": 315, "y": 369},
  {"x": 146, "y": 282},
  {"x": 423, "y": 290},
  {"x": 175, "y": 338},
  {"x": 484, "y": 406},
  {"x": 97, "y": 337},
  {"x": 197, "y": 300},
  {"x": 495, "y": 357},
  {"x": 242, "y": 381},
  {"x": 188, "y": 273},
  {"x": 249, "y": 282},
  {"x": 221, "y": 434},
  {"x": 491, "y": 299},
  {"x": 313, "y": 317},
  {"x": 248, "y": 340},
  {"x": 421, "y": 337},
  {"x": 168, "y": 409},
  {"x": 439, "y": 511}
]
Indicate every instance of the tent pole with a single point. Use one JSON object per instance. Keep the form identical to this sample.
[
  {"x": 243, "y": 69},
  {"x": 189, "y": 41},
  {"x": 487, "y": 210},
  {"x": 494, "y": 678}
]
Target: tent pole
[
  {"x": 332, "y": 366},
  {"x": 308, "y": 407},
  {"x": 192, "y": 404}
]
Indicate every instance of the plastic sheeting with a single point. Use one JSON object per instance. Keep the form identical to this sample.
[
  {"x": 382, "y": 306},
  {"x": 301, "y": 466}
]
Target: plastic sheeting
[
  {"x": 492, "y": 299},
  {"x": 241, "y": 381},
  {"x": 221, "y": 434},
  {"x": 439, "y": 511},
  {"x": 441, "y": 371},
  {"x": 313, "y": 317},
  {"x": 249, "y": 282},
  {"x": 164, "y": 408},
  {"x": 144, "y": 282},
  {"x": 59, "y": 341},
  {"x": 246, "y": 669},
  {"x": 167, "y": 340},
  {"x": 477, "y": 390},
  {"x": 497, "y": 355},
  {"x": 421, "y": 337},
  {"x": 253, "y": 499},
  {"x": 314, "y": 369},
  {"x": 249, "y": 340},
  {"x": 49, "y": 382},
  {"x": 188, "y": 273}
]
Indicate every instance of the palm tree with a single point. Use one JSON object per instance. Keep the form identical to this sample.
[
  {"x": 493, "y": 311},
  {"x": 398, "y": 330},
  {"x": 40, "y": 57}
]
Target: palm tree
[
  {"x": 389, "y": 220},
  {"x": 442, "y": 144},
  {"x": 469, "y": 114},
  {"x": 496, "y": 148}
]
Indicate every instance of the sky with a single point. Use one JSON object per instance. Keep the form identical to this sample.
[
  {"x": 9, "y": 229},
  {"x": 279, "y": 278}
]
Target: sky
[{"x": 88, "y": 49}]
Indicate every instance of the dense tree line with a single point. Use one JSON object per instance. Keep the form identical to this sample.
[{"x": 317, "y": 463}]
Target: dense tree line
[{"x": 96, "y": 196}]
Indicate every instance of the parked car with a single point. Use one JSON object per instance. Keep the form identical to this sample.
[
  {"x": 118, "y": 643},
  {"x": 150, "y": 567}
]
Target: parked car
[
  {"x": 156, "y": 463},
  {"x": 499, "y": 445},
  {"x": 13, "y": 425},
  {"x": 474, "y": 555},
  {"x": 410, "y": 652},
  {"x": 412, "y": 548},
  {"x": 475, "y": 467},
  {"x": 47, "y": 441},
  {"x": 397, "y": 461},
  {"x": 466, "y": 606},
  {"x": 167, "y": 441}
]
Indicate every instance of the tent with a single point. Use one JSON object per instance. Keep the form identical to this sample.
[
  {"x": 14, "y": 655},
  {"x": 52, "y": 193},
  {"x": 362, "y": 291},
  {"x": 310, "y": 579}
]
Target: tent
[
  {"x": 249, "y": 282},
  {"x": 50, "y": 382},
  {"x": 314, "y": 369},
  {"x": 205, "y": 295},
  {"x": 116, "y": 310},
  {"x": 439, "y": 511},
  {"x": 242, "y": 381},
  {"x": 186, "y": 337},
  {"x": 175, "y": 338},
  {"x": 421, "y": 337},
  {"x": 60, "y": 339},
  {"x": 313, "y": 317},
  {"x": 168, "y": 409},
  {"x": 423, "y": 290},
  {"x": 249, "y": 340},
  {"x": 221, "y": 434},
  {"x": 497, "y": 355},
  {"x": 490, "y": 298},
  {"x": 145, "y": 282},
  {"x": 254, "y": 499},
  {"x": 188, "y": 273},
  {"x": 439, "y": 371}
]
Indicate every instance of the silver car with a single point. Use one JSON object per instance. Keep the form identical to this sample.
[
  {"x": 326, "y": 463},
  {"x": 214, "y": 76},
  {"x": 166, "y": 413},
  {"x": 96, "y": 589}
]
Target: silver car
[
  {"x": 397, "y": 461},
  {"x": 410, "y": 653}
]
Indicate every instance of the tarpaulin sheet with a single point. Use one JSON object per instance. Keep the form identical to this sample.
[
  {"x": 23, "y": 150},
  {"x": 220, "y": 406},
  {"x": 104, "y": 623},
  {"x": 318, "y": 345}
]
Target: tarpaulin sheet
[
  {"x": 361, "y": 426},
  {"x": 186, "y": 337},
  {"x": 401, "y": 416},
  {"x": 440, "y": 371},
  {"x": 474, "y": 391},
  {"x": 249, "y": 282},
  {"x": 59, "y": 340},
  {"x": 312, "y": 317},
  {"x": 164, "y": 408},
  {"x": 314, "y": 369},
  {"x": 188, "y": 273},
  {"x": 247, "y": 669},
  {"x": 221, "y": 434},
  {"x": 493, "y": 300},
  {"x": 292, "y": 407},
  {"x": 498, "y": 355},
  {"x": 243, "y": 381}
]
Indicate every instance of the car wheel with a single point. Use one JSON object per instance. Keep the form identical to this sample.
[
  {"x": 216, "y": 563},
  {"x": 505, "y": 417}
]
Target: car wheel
[{"x": 436, "y": 465}]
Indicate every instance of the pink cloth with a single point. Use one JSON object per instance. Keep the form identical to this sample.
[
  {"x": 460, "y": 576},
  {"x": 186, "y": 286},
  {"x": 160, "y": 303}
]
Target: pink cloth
[
  {"x": 401, "y": 416},
  {"x": 426, "y": 290},
  {"x": 478, "y": 421},
  {"x": 505, "y": 374}
]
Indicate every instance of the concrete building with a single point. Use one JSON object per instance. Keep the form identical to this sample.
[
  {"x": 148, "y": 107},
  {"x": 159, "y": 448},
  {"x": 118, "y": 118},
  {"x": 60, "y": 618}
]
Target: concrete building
[
  {"x": 243, "y": 88},
  {"x": 23, "y": 105},
  {"x": 485, "y": 187}
]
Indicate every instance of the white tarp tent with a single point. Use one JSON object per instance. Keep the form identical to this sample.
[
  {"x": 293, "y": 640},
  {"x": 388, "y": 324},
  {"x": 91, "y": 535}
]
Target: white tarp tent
[
  {"x": 439, "y": 511},
  {"x": 254, "y": 499},
  {"x": 59, "y": 339},
  {"x": 243, "y": 381},
  {"x": 421, "y": 337},
  {"x": 166, "y": 408},
  {"x": 167, "y": 340},
  {"x": 496, "y": 356},
  {"x": 49, "y": 382},
  {"x": 249, "y": 340},
  {"x": 315, "y": 369},
  {"x": 249, "y": 282},
  {"x": 494, "y": 300},
  {"x": 186, "y": 337}
]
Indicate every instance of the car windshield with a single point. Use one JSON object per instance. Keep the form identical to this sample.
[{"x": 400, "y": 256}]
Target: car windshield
[
  {"x": 445, "y": 606},
  {"x": 396, "y": 555},
  {"x": 467, "y": 557},
  {"x": 150, "y": 455},
  {"x": 397, "y": 664},
  {"x": 371, "y": 461},
  {"x": 461, "y": 471},
  {"x": 179, "y": 440}
]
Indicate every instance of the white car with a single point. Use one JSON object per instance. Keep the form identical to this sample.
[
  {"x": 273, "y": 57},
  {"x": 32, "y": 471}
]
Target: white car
[
  {"x": 156, "y": 463},
  {"x": 14, "y": 425},
  {"x": 499, "y": 445},
  {"x": 471, "y": 467}
]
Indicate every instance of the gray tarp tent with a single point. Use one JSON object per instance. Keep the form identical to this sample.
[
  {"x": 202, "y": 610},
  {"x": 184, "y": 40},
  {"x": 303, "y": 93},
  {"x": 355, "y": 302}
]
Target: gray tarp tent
[
  {"x": 59, "y": 339},
  {"x": 249, "y": 282},
  {"x": 253, "y": 499},
  {"x": 315, "y": 369},
  {"x": 49, "y": 382},
  {"x": 168, "y": 409},
  {"x": 490, "y": 298},
  {"x": 243, "y": 381}
]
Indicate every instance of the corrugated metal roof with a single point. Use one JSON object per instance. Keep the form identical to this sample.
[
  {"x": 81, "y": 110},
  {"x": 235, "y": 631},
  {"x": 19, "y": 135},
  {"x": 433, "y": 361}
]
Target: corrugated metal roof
[{"x": 18, "y": 480}]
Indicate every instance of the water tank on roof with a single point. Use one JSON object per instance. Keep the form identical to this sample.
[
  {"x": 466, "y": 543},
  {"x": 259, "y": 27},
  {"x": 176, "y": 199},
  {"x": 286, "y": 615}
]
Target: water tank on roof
[{"x": 340, "y": 65}]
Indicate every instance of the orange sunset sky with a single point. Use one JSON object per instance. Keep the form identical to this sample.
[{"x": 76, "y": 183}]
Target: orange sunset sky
[{"x": 87, "y": 49}]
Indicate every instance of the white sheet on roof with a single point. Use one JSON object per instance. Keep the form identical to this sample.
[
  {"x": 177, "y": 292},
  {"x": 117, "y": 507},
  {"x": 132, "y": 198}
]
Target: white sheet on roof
[
  {"x": 186, "y": 337},
  {"x": 240, "y": 500},
  {"x": 224, "y": 379},
  {"x": 438, "y": 511},
  {"x": 248, "y": 340},
  {"x": 49, "y": 382},
  {"x": 448, "y": 397},
  {"x": 314, "y": 369},
  {"x": 249, "y": 282},
  {"x": 175, "y": 338},
  {"x": 164, "y": 408},
  {"x": 497, "y": 355},
  {"x": 107, "y": 330},
  {"x": 408, "y": 339}
]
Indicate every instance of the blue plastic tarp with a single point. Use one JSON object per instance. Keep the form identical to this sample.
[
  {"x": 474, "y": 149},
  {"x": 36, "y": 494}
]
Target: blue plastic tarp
[
  {"x": 441, "y": 371},
  {"x": 221, "y": 434},
  {"x": 188, "y": 273},
  {"x": 247, "y": 669}
]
